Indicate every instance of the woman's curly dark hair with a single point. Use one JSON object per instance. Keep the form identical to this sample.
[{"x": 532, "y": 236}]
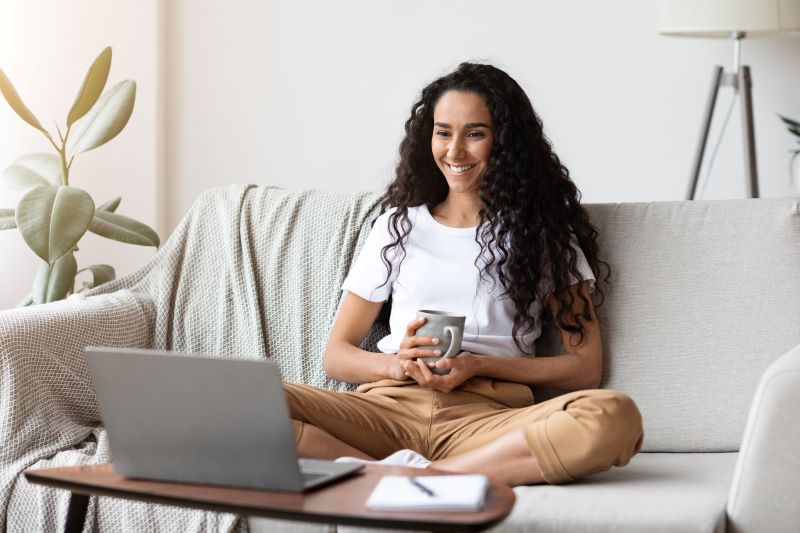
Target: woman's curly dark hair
[{"x": 529, "y": 201}]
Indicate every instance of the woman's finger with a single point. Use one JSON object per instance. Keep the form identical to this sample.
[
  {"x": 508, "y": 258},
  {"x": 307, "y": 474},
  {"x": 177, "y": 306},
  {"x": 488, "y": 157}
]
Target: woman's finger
[
  {"x": 424, "y": 370},
  {"x": 446, "y": 364},
  {"x": 412, "y": 371},
  {"x": 411, "y": 328},
  {"x": 418, "y": 340},
  {"x": 413, "y": 353},
  {"x": 406, "y": 355},
  {"x": 415, "y": 372}
]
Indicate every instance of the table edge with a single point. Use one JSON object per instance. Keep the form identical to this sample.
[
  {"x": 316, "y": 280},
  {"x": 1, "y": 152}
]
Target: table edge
[{"x": 276, "y": 513}]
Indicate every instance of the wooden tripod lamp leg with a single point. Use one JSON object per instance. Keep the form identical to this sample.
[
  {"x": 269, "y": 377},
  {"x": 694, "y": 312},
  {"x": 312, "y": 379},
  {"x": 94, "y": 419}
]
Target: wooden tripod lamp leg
[
  {"x": 701, "y": 145},
  {"x": 749, "y": 138}
]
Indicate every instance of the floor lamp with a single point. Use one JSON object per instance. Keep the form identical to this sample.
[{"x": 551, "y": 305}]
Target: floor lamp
[{"x": 733, "y": 19}]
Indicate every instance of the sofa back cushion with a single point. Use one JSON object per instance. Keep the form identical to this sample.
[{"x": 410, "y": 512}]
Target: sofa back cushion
[{"x": 702, "y": 297}]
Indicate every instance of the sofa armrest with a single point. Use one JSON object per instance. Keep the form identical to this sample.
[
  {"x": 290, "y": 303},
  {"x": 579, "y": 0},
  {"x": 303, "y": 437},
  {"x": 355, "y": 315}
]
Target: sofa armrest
[
  {"x": 766, "y": 481},
  {"x": 47, "y": 401}
]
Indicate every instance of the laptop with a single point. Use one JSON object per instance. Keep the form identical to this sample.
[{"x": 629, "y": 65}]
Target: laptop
[{"x": 195, "y": 419}]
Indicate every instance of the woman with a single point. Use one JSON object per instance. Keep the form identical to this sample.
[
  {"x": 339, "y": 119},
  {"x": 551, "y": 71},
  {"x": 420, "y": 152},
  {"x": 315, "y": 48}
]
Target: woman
[{"x": 483, "y": 220}]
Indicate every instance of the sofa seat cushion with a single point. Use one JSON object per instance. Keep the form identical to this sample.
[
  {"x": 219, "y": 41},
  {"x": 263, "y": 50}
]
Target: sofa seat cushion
[{"x": 656, "y": 492}]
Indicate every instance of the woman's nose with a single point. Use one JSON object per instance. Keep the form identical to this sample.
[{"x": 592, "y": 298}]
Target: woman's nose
[{"x": 456, "y": 149}]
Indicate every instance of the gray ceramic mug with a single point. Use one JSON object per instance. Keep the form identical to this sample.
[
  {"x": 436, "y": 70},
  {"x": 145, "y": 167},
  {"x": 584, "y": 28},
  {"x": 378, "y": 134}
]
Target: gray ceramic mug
[{"x": 448, "y": 327}]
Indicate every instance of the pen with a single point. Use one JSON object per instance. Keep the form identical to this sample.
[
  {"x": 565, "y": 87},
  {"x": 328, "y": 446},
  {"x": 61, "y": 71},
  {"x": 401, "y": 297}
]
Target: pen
[{"x": 421, "y": 487}]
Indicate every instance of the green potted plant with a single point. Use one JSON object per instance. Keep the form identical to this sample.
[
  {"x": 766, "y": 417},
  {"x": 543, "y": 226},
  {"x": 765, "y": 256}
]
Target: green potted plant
[
  {"x": 794, "y": 128},
  {"x": 53, "y": 215}
]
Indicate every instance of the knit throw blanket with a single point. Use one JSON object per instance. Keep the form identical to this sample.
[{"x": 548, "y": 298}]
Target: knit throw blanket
[{"x": 250, "y": 272}]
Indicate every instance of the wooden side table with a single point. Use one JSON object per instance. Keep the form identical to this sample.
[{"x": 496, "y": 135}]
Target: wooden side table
[{"x": 343, "y": 502}]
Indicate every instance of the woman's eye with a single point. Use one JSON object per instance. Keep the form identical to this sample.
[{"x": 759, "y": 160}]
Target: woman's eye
[{"x": 474, "y": 134}]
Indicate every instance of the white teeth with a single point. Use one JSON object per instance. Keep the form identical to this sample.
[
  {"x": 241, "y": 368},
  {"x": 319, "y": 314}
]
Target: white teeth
[{"x": 459, "y": 170}]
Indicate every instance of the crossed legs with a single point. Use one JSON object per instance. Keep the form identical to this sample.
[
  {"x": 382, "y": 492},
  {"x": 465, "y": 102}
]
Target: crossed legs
[
  {"x": 518, "y": 466},
  {"x": 556, "y": 442}
]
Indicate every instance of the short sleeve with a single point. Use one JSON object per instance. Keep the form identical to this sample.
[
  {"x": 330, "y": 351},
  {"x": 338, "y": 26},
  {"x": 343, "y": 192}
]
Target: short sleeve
[
  {"x": 368, "y": 272},
  {"x": 585, "y": 273},
  {"x": 584, "y": 270}
]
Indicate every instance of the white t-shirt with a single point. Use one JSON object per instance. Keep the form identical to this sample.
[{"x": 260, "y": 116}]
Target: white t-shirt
[{"x": 439, "y": 272}]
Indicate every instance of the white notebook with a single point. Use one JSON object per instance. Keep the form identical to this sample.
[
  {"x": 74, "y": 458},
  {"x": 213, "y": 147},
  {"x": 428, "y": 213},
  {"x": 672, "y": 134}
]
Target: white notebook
[{"x": 429, "y": 493}]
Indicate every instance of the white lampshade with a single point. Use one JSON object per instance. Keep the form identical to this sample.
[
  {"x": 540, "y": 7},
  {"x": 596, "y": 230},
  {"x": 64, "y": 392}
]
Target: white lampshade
[{"x": 720, "y": 18}]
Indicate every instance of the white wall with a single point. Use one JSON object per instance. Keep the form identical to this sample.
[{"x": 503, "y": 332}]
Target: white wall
[
  {"x": 45, "y": 49},
  {"x": 307, "y": 93},
  {"x": 310, "y": 93}
]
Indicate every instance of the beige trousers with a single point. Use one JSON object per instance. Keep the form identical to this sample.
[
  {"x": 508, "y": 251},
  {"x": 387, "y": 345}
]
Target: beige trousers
[{"x": 573, "y": 435}]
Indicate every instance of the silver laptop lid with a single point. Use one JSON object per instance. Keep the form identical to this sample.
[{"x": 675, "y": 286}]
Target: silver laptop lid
[{"x": 178, "y": 417}]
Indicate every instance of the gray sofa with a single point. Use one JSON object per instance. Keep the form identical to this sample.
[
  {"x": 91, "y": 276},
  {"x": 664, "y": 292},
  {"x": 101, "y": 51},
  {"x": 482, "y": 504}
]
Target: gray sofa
[{"x": 701, "y": 324}]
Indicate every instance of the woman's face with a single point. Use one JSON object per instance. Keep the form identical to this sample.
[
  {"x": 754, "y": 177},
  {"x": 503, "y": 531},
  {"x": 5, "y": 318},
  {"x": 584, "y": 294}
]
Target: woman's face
[{"x": 462, "y": 139}]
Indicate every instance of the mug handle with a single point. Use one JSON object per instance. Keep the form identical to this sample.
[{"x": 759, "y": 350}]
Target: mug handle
[{"x": 455, "y": 341}]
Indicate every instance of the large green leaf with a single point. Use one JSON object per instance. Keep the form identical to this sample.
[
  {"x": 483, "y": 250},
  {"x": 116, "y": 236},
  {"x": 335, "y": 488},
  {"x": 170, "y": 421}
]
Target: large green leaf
[
  {"x": 7, "y": 219},
  {"x": 100, "y": 274},
  {"x": 33, "y": 170},
  {"x": 123, "y": 229},
  {"x": 54, "y": 283},
  {"x": 105, "y": 120},
  {"x": 92, "y": 87},
  {"x": 53, "y": 219},
  {"x": 111, "y": 205},
  {"x": 16, "y": 103}
]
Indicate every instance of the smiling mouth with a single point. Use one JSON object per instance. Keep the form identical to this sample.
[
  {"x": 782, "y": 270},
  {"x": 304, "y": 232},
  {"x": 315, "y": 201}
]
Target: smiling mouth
[{"x": 459, "y": 170}]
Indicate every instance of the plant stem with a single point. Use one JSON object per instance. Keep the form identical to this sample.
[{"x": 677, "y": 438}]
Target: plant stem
[
  {"x": 64, "y": 167},
  {"x": 59, "y": 133},
  {"x": 62, "y": 152},
  {"x": 49, "y": 138}
]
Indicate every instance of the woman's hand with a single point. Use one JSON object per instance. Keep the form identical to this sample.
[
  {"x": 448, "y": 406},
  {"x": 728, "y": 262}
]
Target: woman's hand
[
  {"x": 409, "y": 350},
  {"x": 462, "y": 367}
]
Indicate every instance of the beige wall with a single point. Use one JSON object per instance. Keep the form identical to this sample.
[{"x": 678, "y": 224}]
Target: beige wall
[
  {"x": 309, "y": 93},
  {"x": 45, "y": 49}
]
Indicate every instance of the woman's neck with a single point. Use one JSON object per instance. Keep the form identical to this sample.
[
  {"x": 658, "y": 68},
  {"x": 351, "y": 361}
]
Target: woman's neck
[{"x": 458, "y": 211}]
